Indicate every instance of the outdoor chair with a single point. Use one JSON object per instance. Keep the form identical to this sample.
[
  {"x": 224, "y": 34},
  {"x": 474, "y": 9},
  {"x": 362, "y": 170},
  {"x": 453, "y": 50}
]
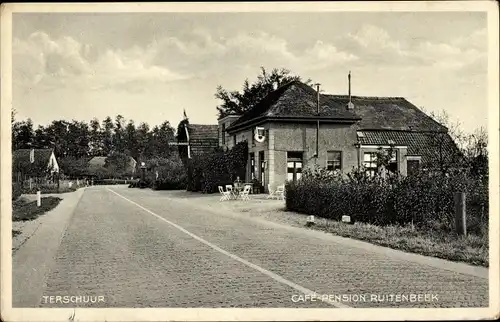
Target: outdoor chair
[
  {"x": 271, "y": 194},
  {"x": 225, "y": 194},
  {"x": 280, "y": 192},
  {"x": 246, "y": 191},
  {"x": 229, "y": 188}
]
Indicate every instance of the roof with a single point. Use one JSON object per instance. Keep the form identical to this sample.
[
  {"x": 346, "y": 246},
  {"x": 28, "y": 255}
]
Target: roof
[
  {"x": 21, "y": 161},
  {"x": 203, "y": 138},
  {"x": 424, "y": 144},
  {"x": 295, "y": 100},
  {"x": 97, "y": 161},
  {"x": 388, "y": 113}
]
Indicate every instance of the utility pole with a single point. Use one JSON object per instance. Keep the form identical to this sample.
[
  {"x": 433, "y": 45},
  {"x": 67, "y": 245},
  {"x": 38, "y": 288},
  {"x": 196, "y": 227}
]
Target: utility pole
[{"x": 317, "y": 121}]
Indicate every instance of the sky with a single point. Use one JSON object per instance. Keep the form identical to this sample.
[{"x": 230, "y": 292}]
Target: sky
[{"x": 149, "y": 67}]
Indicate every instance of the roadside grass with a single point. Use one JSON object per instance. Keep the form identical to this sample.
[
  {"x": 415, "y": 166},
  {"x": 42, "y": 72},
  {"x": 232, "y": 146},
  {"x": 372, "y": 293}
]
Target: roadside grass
[
  {"x": 22, "y": 210},
  {"x": 470, "y": 249},
  {"x": 15, "y": 232}
]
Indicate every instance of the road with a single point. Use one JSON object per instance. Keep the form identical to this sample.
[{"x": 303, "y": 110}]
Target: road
[{"x": 142, "y": 248}]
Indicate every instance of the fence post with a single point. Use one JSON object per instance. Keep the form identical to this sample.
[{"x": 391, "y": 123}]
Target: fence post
[
  {"x": 38, "y": 198},
  {"x": 460, "y": 214}
]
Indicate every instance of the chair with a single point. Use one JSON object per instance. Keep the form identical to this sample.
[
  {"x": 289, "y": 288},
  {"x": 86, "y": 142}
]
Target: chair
[
  {"x": 280, "y": 192},
  {"x": 225, "y": 194},
  {"x": 246, "y": 191},
  {"x": 271, "y": 194},
  {"x": 229, "y": 188}
]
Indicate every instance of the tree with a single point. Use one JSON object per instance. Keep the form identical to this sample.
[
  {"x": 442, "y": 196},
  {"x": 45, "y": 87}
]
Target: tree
[
  {"x": 118, "y": 164},
  {"x": 119, "y": 140},
  {"x": 235, "y": 102},
  {"x": 131, "y": 140},
  {"x": 107, "y": 135},
  {"x": 143, "y": 139},
  {"x": 95, "y": 138},
  {"x": 23, "y": 136}
]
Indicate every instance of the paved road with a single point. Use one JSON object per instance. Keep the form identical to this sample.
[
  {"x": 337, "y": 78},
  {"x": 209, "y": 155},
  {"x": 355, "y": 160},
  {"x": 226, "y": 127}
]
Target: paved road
[{"x": 141, "y": 248}]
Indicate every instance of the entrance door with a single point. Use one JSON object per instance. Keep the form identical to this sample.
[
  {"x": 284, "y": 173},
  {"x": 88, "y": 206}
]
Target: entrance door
[
  {"x": 262, "y": 169},
  {"x": 294, "y": 166}
]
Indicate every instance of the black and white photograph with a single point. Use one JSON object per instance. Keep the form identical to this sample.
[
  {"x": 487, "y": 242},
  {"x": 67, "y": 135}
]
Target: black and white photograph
[{"x": 305, "y": 160}]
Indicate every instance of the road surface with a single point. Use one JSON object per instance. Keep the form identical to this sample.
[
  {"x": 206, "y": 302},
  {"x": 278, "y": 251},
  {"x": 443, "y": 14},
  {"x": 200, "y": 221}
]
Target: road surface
[{"x": 124, "y": 247}]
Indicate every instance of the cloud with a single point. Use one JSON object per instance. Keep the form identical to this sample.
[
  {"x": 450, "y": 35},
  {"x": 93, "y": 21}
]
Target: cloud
[
  {"x": 373, "y": 45},
  {"x": 53, "y": 63}
]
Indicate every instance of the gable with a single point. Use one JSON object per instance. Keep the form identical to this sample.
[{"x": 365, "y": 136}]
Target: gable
[{"x": 21, "y": 161}]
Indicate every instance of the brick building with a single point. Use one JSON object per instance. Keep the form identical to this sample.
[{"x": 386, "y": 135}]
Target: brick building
[{"x": 295, "y": 127}]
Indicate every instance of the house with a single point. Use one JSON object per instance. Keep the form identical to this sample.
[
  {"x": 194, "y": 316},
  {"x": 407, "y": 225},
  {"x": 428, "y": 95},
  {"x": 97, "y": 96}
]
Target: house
[
  {"x": 200, "y": 139},
  {"x": 98, "y": 163},
  {"x": 295, "y": 127},
  {"x": 34, "y": 163}
]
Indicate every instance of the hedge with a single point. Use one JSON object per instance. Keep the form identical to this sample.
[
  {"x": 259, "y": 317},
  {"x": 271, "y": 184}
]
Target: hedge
[
  {"x": 425, "y": 199},
  {"x": 206, "y": 172}
]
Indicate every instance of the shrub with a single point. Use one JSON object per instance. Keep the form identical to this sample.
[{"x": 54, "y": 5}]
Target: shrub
[
  {"x": 425, "y": 200},
  {"x": 205, "y": 173},
  {"x": 16, "y": 190}
]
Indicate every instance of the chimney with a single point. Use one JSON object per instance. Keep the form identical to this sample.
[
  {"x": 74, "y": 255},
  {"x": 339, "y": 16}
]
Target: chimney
[{"x": 350, "y": 105}]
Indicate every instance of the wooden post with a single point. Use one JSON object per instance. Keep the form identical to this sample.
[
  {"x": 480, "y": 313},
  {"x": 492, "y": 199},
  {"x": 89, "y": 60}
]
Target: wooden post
[
  {"x": 38, "y": 198},
  {"x": 460, "y": 214}
]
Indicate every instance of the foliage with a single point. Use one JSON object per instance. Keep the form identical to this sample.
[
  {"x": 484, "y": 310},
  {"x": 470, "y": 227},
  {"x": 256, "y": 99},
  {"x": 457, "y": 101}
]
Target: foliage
[
  {"x": 79, "y": 139},
  {"x": 235, "y": 102},
  {"x": 205, "y": 173},
  {"x": 423, "y": 199},
  {"x": 73, "y": 167},
  {"x": 171, "y": 173},
  {"x": 30, "y": 210}
]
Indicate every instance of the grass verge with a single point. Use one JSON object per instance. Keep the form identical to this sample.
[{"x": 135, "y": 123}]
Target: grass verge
[
  {"x": 22, "y": 211},
  {"x": 471, "y": 249}
]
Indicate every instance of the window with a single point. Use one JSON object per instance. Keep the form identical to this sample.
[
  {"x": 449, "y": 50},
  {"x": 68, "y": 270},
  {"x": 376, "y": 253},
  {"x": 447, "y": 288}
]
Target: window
[
  {"x": 370, "y": 163},
  {"x": 223, "y": 133},
  {"x": 412, "y": 166},
  {"x": 393, "y": 163},
  {"x": 334, "y": 161},
  {"x": 294, "y": 166}
]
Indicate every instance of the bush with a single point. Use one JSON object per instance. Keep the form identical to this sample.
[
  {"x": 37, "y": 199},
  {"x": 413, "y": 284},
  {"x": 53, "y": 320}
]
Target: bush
[
  {"x": 205, "y": 173},
  {"x": 16, "y": 190},
  {"x": 171, "y": 174},
  {"x": 425, "y": 200}
]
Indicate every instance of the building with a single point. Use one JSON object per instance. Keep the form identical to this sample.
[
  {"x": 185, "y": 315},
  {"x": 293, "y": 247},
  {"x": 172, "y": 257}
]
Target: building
[
  {"x": 198, "y": 139},
  {"x": 295, "y": 127},
  {"x": 97, "y": 164},
  {"x": 34, "y": 163}
]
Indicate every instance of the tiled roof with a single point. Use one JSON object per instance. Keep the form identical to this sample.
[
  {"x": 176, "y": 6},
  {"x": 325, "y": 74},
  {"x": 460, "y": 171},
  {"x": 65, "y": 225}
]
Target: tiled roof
[
  {"x": 21, "y": 161},
  {"x": 425, "y": 144},
  {"x": 388, "y": 113},
  {"x": 298, "y": 100},
  {"x": 203, "y": 138},
  {"x": 295, "y": 100}
]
